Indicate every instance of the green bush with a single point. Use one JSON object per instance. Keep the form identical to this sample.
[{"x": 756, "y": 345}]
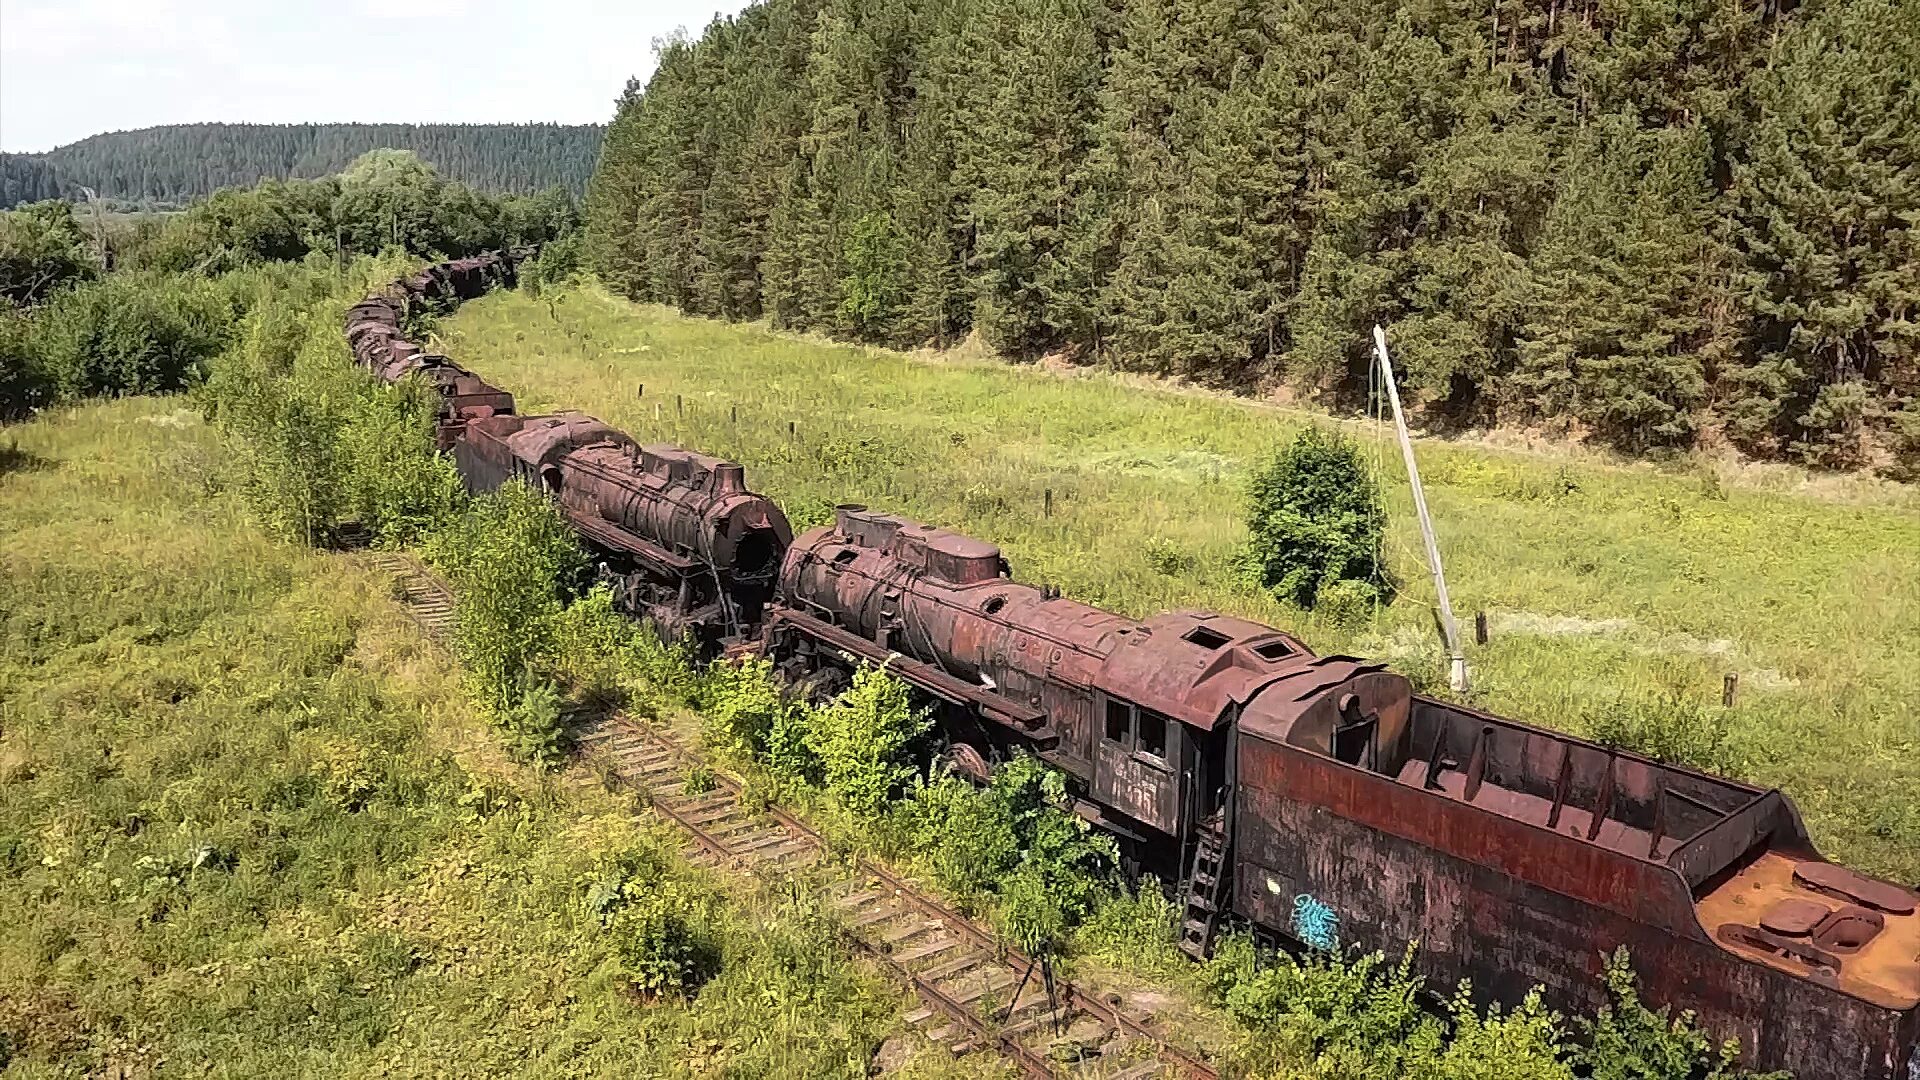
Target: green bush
[
  {"x": 962, "y": 835},
  {"x": 510, "y": 559},
  {"x": 1076, "y": 863},
  {"x": 1015, "y": 841},
  {"x": 237, "y": 227},
  {"x": 740, "y": 706},
  {"x": 1314, "y": 517},
  {"x": 557, "y": 263},
  {"x": 1361, "y": 1019},
  {"x": 283, "y": 419},
  {"x": 1674, "y": 728},
  {"x": 23, "y": 384},
  {"x": 1137, "y": 930},
  {"x": 135, "y": 333},
  {"x": 864, "y": 740},
  {"x": 532, "y": 721},
  {"x": 41, "y": 249},
  {"x": 1167, "y": 558},
  {"x": 1628, "y": 1041},
  {"x": 1346, "y": 602},
  {"x": 652, "y": 922},
  {"x": 397, "y": 483}
]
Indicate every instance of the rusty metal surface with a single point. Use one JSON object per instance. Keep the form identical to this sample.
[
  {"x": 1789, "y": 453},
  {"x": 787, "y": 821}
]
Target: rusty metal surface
[
  {"x": 680, "y": 537},
  {"x": 949, "y": 602},
  {"x": 1514, "y": 865}
]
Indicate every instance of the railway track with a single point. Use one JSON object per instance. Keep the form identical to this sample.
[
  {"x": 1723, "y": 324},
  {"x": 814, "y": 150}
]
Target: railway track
[{"x": 976, "y": 996}]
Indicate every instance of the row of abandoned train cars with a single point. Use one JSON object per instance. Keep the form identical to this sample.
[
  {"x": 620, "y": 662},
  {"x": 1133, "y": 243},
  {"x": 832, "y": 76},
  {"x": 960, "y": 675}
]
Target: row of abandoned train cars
[{"x": 1316, "y": 798}]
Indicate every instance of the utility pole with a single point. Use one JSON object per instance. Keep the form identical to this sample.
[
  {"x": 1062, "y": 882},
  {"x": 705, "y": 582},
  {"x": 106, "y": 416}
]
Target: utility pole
[{"x": 1457, "y": 668}]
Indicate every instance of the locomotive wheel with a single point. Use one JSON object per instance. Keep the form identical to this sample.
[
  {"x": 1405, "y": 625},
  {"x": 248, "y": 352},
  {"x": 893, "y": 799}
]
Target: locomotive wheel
[{"x": 967, "y": 760}]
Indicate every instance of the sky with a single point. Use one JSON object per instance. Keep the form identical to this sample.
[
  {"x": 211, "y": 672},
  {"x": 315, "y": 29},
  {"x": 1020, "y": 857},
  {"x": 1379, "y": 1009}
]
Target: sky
[{"x": 73, "y": 68}]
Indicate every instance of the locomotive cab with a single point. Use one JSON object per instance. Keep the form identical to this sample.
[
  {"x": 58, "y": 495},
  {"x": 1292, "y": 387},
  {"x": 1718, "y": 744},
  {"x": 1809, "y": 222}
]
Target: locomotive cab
[{"x": 1171, "y": 689}]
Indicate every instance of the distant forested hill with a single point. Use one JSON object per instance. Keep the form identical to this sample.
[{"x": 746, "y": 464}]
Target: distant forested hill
[
  {"x": 181, "y": 162},
  {"x": 1652, "y": 221}
]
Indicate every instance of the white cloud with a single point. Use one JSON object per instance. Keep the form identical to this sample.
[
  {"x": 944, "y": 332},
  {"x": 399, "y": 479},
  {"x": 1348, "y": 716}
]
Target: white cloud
[{"x": 72, "y": 68}]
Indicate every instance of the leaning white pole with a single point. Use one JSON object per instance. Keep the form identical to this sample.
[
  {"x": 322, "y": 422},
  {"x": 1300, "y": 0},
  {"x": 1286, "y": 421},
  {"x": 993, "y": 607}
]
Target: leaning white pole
[{"x": 1457, "y": 671}]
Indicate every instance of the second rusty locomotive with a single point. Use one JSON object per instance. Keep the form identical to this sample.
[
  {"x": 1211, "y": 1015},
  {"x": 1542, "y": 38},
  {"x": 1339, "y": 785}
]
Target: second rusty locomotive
[
  {"x": 1313, "y": 798},
  {"x": 683, "y": 543},
  {"x": 677, "y": 535}
]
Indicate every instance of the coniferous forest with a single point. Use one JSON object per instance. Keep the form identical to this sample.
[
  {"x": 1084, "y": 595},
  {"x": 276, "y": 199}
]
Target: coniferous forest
[
  {"x": 178, "y": 163},
  {"x": 1652, "y": 223}
]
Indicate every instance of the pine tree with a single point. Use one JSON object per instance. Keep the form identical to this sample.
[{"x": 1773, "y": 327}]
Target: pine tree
[
  {"x": 1826, "y": 197},
  {"x": 616, "y": 197},
  {"x": 1024, "y": 129},
  {"x": 1614, "y": 337}
]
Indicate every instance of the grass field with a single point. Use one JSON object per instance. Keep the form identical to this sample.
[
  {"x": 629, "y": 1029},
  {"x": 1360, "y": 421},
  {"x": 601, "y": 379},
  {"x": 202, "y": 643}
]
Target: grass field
[
  {"x": 249, "y": 827},
  {"x": 1616, "y": 595}
]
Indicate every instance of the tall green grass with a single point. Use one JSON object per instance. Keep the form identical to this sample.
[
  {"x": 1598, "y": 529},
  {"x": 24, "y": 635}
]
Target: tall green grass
[
  {"x": 1618, "y": 597},
  {"x": 249, "y": 826}
]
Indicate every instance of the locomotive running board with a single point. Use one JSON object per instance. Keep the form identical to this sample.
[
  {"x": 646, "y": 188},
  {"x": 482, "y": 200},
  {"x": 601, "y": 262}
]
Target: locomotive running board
[
  {"x": 1031, "y": 722},
  {"x": 621, "y": 540}
]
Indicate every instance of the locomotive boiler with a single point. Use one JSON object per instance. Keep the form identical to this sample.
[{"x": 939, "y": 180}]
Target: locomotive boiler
[
  {"x": 677, "y": 534},
  {"x": 1136, "y": 712}
]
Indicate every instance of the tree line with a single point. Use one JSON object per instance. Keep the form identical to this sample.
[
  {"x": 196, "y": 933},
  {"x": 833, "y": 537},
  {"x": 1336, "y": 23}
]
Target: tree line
[
  {"x": 1655, "y": 223},
  {"x": 180, "y": 283},
  {"x": 177, "y": 163}
]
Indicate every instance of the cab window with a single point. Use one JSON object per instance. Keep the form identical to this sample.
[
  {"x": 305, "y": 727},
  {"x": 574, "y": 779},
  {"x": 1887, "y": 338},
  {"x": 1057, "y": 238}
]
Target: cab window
[
  {"x": 1119, "y": 722},
  {"x": 1140, "y": 730},
  {"x": 1152, "y": 734}
]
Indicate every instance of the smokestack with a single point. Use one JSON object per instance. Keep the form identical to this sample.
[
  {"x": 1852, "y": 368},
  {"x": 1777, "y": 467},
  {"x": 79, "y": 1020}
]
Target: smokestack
[{"x": 729, "y": 477}]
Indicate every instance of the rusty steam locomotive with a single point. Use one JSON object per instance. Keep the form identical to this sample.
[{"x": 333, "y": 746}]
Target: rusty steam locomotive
[{"x": 1316, "y": 798}]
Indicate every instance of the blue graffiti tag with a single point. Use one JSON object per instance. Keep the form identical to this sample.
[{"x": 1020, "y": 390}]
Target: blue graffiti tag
[{"x": 1315, "y": 923}]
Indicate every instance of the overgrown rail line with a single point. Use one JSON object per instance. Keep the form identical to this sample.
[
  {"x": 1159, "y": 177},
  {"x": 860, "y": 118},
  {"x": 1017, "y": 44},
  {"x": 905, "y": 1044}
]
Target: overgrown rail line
[{"x": 977, "y": 995}]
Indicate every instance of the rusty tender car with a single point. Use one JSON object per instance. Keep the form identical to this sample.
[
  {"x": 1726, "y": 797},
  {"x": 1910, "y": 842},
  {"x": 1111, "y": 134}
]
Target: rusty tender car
[{"x": 1315, "y": 799}]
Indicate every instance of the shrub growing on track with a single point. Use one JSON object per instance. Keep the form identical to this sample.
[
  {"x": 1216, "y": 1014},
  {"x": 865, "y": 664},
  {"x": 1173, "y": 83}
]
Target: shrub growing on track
[
  {"x": 510, "y": 558},
  {"x": 864, "y": 740},
  {"x": 318, "y": 441},
  {"x": 740, "y": 705}
]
